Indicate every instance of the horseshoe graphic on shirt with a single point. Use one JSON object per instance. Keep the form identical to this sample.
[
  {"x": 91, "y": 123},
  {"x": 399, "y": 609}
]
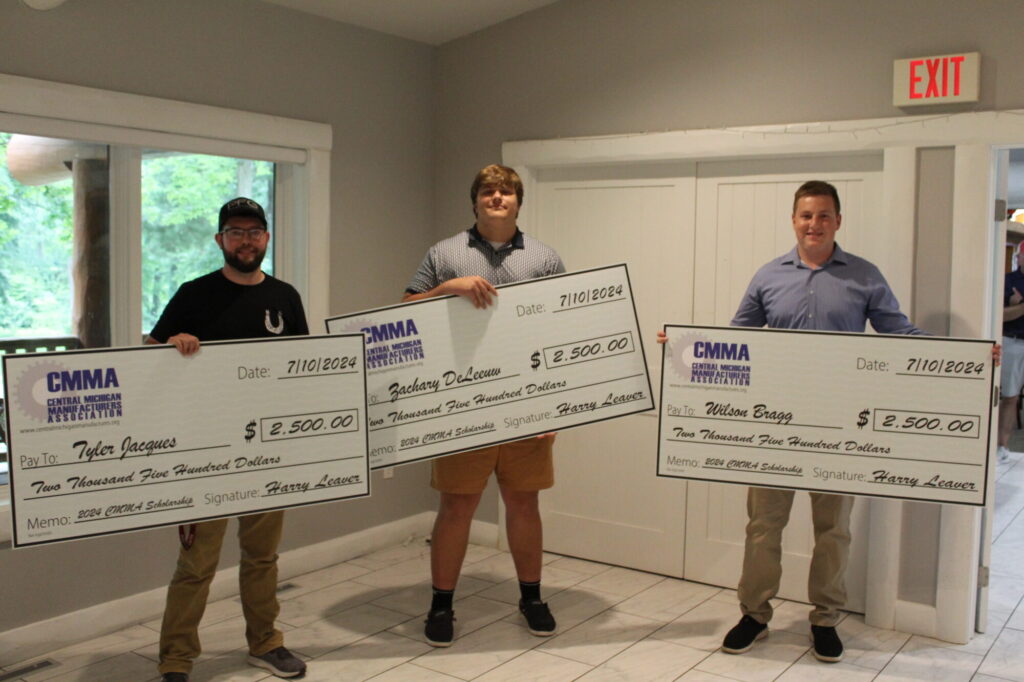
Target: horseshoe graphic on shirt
[{"x": 271, "y": 327}]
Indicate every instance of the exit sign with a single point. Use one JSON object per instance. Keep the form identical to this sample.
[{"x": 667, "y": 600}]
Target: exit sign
[{"x": 945, "y": 79}]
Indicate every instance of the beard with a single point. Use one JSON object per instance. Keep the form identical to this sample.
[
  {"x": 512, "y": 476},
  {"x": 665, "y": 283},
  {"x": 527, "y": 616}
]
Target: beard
[{"x": 237, "y": 263}]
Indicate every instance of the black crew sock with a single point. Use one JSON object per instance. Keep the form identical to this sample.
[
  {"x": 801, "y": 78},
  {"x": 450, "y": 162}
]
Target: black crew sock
[
  {"x": 529, "y": 591},
  {"x": 442, "y": 600}
]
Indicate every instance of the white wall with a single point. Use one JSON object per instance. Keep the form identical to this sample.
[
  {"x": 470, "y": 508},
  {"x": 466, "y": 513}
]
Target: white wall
[{"x": 601, "y": 67}]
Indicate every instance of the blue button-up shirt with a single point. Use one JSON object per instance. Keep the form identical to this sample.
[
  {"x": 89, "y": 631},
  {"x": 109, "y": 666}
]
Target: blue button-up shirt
[{"x": 842, "y": 296}]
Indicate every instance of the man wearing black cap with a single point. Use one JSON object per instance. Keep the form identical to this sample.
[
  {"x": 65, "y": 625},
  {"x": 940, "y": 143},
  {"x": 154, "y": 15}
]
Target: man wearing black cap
[{"x": 239, "y": 301}]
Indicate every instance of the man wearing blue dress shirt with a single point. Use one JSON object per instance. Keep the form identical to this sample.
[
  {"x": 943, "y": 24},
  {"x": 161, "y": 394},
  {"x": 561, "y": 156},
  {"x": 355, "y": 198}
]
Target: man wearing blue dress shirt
[{"x": 817, "y": 285}]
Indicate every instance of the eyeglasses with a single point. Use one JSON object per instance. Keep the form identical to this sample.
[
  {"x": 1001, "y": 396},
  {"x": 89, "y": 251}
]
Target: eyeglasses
[{"x": 236, "y": 233}]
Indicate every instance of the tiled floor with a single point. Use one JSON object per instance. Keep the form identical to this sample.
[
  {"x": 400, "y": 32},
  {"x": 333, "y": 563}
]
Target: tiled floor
[{"x": 363, "y": 620}]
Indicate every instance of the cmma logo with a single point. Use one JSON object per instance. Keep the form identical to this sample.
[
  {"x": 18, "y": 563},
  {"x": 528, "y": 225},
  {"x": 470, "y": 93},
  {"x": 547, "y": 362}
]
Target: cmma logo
[
  {"x": 378, "y": 333},
  {"x": 721, "y": 351},
  {"x": 52, "y": 393},
  {"x": 81, "y": 379},
  {"x": 390, "y": 343},
  {"x": 697, "y": 359}
]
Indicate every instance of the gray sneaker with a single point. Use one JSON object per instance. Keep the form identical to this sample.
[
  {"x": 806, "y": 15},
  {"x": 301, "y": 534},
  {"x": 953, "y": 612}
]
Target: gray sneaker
[{"x": 279, "y": 661}]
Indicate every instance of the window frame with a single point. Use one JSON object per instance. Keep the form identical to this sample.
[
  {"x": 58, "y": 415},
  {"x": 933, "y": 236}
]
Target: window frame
[{"x": 130, "y": 123}]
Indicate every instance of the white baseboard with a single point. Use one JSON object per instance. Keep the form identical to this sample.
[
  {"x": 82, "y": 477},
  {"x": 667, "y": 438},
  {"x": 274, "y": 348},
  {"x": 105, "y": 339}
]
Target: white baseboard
[{"x": 48, "y": 635}]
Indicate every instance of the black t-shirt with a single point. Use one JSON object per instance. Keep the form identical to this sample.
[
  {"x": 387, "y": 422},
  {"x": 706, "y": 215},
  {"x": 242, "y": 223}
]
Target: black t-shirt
[{"x": 213, "y": 308}]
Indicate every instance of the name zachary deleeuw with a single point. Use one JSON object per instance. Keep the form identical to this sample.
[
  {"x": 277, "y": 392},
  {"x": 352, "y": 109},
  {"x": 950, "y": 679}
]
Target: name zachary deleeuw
[
  {"x": 478, "y": 400},
  {"x": 448, "y": 378}
]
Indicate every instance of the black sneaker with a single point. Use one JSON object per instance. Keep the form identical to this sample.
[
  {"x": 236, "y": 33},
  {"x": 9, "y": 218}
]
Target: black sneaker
[
  {"x": 539, "y": 620},
  {"x": 279, "y": 661},
  {"x": 174, "y": 677},
  {"x": 827, "y": 645},
  {"x": 440, "y": 627},
  {"x": 741, "y": 638}
]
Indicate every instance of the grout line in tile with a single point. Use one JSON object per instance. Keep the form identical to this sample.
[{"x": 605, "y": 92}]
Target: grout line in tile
[
  {"x": 994, "y": 677},
  {"x": 1012, "y": 521}
]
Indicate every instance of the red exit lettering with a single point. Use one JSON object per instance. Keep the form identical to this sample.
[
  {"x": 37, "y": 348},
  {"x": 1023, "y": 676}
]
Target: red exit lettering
[{"x": 940, "y": 75}]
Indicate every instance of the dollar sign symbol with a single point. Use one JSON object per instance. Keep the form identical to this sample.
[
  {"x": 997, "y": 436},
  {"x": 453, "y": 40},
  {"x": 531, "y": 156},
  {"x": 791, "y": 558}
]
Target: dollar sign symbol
[
  {"x": 535, "y": 360},
  {"x": 250, "y": 430},
  {"x": 862, "y": 418}
]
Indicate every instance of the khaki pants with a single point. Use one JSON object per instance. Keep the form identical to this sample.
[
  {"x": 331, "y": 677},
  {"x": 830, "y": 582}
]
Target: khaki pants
[
  {"x": 768, "y": 511},
  {"x": 258, "y": 537}
]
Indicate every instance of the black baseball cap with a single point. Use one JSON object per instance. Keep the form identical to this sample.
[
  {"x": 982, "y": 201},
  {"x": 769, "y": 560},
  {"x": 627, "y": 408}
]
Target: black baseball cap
[{"x": 241, "y": 206}]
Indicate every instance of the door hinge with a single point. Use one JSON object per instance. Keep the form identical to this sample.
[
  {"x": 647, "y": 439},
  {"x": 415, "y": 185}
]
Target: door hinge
[
  {"x": 983, "y": 576},
  {"x": 1000, "y": 214}
]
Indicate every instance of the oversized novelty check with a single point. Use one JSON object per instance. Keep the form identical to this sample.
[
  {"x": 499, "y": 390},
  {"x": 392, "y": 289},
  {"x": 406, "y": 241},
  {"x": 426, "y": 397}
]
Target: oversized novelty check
[
  {"x": 117, "y": 440},
  {"x": 886, "y": 416},
  {"x": 548, "y": 354}
]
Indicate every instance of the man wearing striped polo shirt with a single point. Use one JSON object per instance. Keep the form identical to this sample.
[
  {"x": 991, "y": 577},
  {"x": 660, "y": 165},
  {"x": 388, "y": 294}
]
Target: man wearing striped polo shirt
[{"x": 469, "y": 264}]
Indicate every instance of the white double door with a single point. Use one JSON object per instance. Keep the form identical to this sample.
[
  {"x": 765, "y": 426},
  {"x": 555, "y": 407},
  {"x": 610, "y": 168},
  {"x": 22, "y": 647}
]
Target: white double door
[{"x": 692, "y": 235}]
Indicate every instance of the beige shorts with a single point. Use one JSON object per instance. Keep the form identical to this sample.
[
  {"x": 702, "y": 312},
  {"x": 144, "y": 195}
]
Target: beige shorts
[{"x": 522, "y": 465}]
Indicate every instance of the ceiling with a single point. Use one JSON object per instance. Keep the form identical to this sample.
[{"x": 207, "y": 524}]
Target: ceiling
[{"x": 428, "y": 21}]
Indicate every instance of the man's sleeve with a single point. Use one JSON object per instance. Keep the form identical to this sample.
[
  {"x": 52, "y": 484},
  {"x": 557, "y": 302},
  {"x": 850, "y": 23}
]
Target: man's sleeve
[
  {"x": 172, "y": 319},
  {"x": 1007, "y": 290},
  {"x": 751, "y": 312},
  {"x": 557, "y": 266},
  {"x": 884, "y": 310},
  {"x": 425, "y": 278}
]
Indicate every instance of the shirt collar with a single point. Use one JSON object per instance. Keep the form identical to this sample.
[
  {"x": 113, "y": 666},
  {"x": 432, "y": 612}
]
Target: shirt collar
[
  {"x": 516, "y": 243},
  {"x": 838, "y": 257}
]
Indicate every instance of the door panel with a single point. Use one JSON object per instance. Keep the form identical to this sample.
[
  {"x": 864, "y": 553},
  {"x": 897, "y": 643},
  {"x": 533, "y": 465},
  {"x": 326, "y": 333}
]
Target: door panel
[
  {"x": 743, "y": 221},
  {"x": 607, "y": 504},
  {"x": 692, "y": 241}
]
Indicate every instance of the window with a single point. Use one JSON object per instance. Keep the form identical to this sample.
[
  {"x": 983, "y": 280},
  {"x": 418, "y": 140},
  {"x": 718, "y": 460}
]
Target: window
[
  {"x": 54, "y": 255},
  {"x": 181, "y": 194},
  {"x": 131, "y": 132},
  {"x": 35, "y": 252}
]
